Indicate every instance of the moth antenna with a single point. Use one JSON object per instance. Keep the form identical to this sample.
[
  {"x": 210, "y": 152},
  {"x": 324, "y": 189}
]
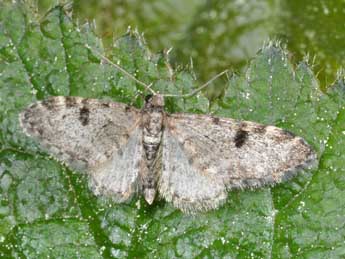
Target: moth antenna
[
  {"x": 122, "y": 70},
  {"x": 199, "y": 88}
]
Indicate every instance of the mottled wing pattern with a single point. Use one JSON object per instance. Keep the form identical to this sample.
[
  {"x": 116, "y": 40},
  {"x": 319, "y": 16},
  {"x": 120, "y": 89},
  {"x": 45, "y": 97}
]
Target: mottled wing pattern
[
  {"x": 91, "y": 135},
  {"x": 187, "y": 187},
  {"x": 204, "y": 155},
  {"x": 118, "y": 176}
]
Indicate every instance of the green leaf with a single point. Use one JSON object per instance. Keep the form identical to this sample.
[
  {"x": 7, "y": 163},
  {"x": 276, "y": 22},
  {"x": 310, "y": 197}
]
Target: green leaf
[
  {"x": 225, "y": 33},
  {"x": 315, "y": 28},
  {"x": 48, "y": 210}
]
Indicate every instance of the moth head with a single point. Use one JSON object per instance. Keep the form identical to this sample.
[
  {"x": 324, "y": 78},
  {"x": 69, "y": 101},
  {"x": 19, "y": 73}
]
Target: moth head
[{"x": 156, "y": 100}]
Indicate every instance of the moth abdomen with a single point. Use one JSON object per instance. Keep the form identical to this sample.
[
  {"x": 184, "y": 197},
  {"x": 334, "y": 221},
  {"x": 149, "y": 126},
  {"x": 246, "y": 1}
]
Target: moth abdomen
[{"x": 152, "y": 125}]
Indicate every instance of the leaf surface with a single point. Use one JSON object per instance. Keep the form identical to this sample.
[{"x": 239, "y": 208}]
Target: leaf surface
[{"x": 48, "y": 210}]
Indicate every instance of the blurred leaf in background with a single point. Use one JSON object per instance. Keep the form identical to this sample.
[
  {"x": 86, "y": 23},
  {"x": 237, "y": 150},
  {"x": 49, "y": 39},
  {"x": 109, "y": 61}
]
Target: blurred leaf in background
[
  {"x": 225, "y": 33},
  {"x": 46, "y": 210}
]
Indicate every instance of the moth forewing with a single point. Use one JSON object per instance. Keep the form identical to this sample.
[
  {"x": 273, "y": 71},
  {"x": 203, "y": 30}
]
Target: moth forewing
[
  {"x": 87, "y": 135},
  {"x": 241, "y": 153}
]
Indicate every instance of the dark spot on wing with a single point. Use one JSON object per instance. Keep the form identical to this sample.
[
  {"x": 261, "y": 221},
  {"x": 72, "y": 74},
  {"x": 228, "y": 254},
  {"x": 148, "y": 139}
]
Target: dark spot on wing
[
  {"x": 240, "y": 138},
  {"x": 215, "y": 120},
  {"x": 84, "y": 114}
]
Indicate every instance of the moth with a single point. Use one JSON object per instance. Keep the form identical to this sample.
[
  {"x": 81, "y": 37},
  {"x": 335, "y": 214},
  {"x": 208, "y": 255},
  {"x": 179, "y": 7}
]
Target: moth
[{"x": 190, "y": 160}]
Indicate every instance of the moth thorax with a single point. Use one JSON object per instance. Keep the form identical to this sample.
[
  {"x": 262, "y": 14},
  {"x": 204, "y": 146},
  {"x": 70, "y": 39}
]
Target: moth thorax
[{"x": 152, "y": 133}]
